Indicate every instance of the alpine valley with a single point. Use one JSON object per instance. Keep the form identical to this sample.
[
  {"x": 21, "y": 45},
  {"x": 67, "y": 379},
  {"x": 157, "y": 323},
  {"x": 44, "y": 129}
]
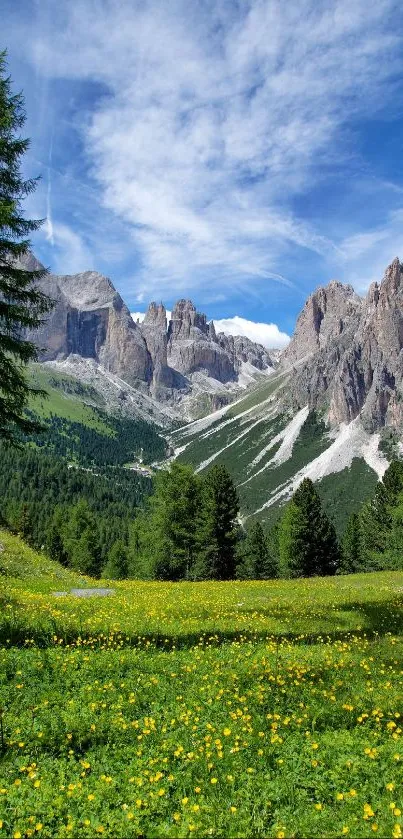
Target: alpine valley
[{"x": 329, "y": 407}]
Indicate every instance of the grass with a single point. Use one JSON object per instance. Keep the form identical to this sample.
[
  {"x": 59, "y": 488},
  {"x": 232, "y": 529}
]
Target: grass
[
  {"x": 62, "y": 401},
  {"x": 245, "y": 709}
]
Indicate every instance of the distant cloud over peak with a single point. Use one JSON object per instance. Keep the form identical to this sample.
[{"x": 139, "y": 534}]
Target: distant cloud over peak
[{"x": 267, "y": 334}]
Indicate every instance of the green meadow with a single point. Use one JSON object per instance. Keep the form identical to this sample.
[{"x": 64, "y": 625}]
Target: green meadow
[{"x": 240, "y": 709}]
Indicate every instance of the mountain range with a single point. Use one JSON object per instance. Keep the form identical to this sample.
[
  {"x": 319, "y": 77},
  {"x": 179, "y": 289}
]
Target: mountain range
[
  {"x": 175, "y": 363},
  {"x": 329, "y": 407}
]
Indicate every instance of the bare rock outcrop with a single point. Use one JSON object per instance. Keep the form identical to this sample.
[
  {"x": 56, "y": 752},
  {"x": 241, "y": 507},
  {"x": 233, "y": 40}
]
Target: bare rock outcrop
[
  {"x": 193, "y": 345},
  {"x": 91, "y": 320},
  {"x": 244, "y": 351},
  {"x": 330, "y": 314},
  {"x": 370, "y": 376},
  {"x": 347, "y": 353}
]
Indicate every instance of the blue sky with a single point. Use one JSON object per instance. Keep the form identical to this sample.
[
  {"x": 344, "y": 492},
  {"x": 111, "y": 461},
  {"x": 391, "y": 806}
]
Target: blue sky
[{"x": 238, "y": 152}]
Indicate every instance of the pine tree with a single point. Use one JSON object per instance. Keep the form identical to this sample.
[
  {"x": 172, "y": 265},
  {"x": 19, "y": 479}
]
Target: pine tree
[
  {"x": 54, "y": 537},
  {"x": 116, "y": 567},
  {"x": 307, "y": 539},
  {"x": 22, "y": 304},
  {"x": 218, "y": 526},
  {"x": 393, "y": 480},
  {"x": 381, "y": 522},
  {"x": 351, "y": 546},
  {"x": 377, "y": 520}
]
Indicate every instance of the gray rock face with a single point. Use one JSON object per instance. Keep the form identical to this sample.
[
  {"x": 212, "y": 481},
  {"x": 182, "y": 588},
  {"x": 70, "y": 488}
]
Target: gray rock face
[
  {"x": 347, "y": 353},
  {"x": 193, "y": 345},
  {"x": 329, "y": 314},
  {"x": 154, "y": 331},
  {"x": 91, "y": 321},
  {"x": 244, "y": 351},
  {"x": 370, "y": 377}
]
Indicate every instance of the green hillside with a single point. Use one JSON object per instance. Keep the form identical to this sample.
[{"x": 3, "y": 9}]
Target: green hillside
[
  {"x": 266, "y": 450},
  {"x": 67, "y": 398},
  {"x": 248, "y": 709}
]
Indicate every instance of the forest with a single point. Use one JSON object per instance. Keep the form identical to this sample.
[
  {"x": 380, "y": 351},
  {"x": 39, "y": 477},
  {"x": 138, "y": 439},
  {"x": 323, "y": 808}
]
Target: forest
[
  {"x": 122, "y": 441},
  {"x": 108, "y": 521}
]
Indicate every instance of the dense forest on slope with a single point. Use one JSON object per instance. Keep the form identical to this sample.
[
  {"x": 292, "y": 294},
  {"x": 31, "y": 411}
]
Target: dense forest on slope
[
  {"x": 34, "y": 483},
  {"x": 119, "y": 440}
]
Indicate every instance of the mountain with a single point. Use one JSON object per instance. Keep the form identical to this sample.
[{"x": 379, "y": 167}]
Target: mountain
[
  {"x": 332, "y": 411},
  {"x": 346, "y": 355},
  {"x": 183, "y": 365},
  {"x": 331, "y": 408}
]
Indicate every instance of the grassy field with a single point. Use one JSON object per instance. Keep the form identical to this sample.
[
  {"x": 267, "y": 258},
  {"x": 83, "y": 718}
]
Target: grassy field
[
  {"x": 61, "y": 399},
  {"x": 217, "y": 709}
]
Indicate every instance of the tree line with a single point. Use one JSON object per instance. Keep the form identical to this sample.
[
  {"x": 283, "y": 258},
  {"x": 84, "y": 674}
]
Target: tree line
[{"x": 38, "y": 489}]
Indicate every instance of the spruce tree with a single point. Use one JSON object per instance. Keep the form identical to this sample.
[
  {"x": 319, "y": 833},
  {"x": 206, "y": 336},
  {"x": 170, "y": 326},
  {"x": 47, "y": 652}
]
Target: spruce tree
[
  {"x": 169, "y": 533},
  {"x": 393, "y": 480},
  {"x": 116, "y": 567},
  {"x": 81, "y": 540},
  {"x": 22, "y": 304},
  {"x": 54, "y": 537},
  {"x": 351, "y": 546},
  {"x": 307, "y": 539},
  {"x": 254, "y": 559},
  {"x": 218, "y": 526},
  {"x": 376, "y": 517}
]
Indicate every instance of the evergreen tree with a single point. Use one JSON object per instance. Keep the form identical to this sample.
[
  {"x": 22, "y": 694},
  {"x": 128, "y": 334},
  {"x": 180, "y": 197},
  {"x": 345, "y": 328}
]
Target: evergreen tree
[
  {"x": 254, "y": 559},
  {"x": 377, "y": 519},
  {"x": 54, "y": 537},
  {"x": 81, "y": 540},
  {"x": 393, "y": 480},
  {"x": 22, "y": 304},
  {"x": 169, "y": 533},
  {"x": 307, "y": 539},
  {"x": 116, "y": 567},
  {"x": 351, "y": 546},
  {"x": 218, "y": 526}
]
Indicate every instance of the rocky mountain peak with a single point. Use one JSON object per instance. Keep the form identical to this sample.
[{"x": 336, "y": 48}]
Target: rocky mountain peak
[
  {"x": 326, "y": 314},
  {"x": 348, "y": 352},
  {"x": 88, "y": 291},
  {"x": 156, "y": 316},
  {"x": 186, "y": 322}
]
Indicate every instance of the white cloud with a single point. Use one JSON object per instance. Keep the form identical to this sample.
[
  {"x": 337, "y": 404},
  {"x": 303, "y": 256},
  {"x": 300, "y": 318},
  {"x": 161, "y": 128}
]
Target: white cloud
[
  {"x": 219, "y": 114},
  {"x": 267, "y": 334}
]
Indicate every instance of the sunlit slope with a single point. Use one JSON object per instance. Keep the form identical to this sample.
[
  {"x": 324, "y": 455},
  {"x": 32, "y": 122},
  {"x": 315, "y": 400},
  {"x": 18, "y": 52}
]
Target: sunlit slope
[
  {"x": 66, "y": 397},
  {"x": 269, "y": 451}
]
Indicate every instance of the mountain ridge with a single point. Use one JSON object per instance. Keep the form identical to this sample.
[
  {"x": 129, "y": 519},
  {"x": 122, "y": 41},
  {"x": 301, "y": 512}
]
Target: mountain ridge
[{"x": 172, "y": 363}]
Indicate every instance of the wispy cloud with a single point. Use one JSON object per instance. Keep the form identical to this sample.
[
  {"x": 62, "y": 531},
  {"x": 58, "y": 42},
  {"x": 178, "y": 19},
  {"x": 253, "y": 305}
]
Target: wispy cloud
[
  {"x": 367, "y": 254},
  {"x": 70, "y": 252},
  {"x": 215, "y": 119},
  {"x": 49, "y": 222}
]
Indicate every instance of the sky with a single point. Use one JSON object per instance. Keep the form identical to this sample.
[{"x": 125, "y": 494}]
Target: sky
[{"x": 236, "y": 152}]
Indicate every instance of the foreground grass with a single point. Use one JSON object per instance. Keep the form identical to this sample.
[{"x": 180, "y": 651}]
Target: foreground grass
[{"x": 238, "y": 709}]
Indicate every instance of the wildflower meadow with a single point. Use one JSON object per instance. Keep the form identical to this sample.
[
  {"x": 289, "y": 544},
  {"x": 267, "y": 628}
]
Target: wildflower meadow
[{"x": 242, "y": 709}]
